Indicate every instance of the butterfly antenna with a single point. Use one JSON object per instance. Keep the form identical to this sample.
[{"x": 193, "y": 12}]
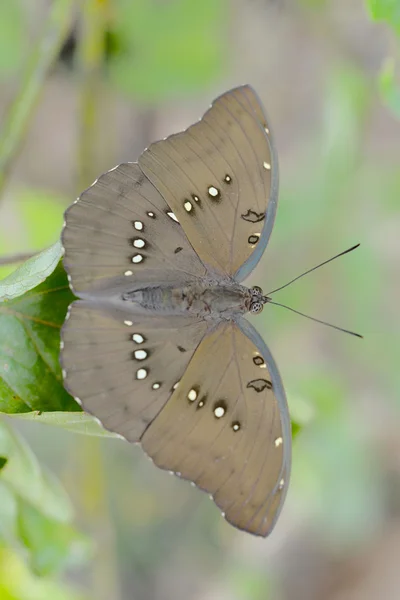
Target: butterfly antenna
[
  {"x": 314, "y": 319},
  {"x": 313, "y": 269}
]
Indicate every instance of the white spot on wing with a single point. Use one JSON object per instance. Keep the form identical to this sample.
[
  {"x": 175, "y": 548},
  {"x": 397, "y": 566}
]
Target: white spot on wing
[
  {"x": 137, "y": 337},
  {"x": 219, "y": 411},
  {"x": 98, "y": 422},
  {"x": 141, "y": 374},
  {"x": 172, "y": 216},
  {"x": 213, "y": 191},
  {"x": 192, "y": 395}
]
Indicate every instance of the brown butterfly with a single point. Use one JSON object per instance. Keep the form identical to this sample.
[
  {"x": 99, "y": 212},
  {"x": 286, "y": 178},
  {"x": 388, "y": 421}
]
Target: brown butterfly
[{"x": 157, "y": 346}]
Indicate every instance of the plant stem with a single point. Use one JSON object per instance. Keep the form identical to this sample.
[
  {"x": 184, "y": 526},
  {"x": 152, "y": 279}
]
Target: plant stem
[
  {"x": 93, "y": 22},
  {"x": 21, "y": 110}
]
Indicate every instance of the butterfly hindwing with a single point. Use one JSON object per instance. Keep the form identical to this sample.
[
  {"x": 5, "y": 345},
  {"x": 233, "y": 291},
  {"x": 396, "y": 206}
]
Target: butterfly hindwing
[
  {"x": 226, "y": 428},
  {"x": 220, "y": 178},
  {"x": 121, "y": 367}
]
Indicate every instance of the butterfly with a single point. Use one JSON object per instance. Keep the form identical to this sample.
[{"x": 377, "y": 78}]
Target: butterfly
[{"x": 157, "y": 346}]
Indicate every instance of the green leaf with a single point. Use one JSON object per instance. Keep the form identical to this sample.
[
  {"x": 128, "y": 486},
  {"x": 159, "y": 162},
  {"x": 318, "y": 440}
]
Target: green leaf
[
  {"x": 168, "y": 47},
  {"x": 385, "y": 10},
  {"x": 31, "y": 273},
  {"x": 30, "y": 375},
  {"x": 76, "y": 422}
]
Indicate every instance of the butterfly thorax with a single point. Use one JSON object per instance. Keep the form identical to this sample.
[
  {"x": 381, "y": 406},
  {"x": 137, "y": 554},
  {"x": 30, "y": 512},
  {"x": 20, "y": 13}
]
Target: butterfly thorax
[{"x": 199, "y": 298}]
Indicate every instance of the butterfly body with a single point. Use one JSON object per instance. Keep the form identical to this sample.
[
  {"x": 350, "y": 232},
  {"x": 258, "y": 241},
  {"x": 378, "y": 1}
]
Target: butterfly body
[
  {"x": 157, "y": 346},
  {"x": 202, "y": 299}
]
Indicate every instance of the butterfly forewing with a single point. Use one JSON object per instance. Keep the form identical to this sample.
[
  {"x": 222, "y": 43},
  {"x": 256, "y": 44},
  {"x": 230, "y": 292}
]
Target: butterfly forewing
[
  {"x": 220, "y": 179},
  {"x": 119, "y": 232},
  {"x": 123, "y": 368},
  {"x": 226, "y": 429}
]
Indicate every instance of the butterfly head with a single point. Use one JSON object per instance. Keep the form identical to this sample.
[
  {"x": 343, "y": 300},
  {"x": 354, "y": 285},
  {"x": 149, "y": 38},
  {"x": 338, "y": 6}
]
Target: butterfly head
[{"x": 257, "y": 300}]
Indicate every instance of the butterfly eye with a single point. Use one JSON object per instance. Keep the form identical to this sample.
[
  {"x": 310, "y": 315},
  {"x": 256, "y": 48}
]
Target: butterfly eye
[
  {"x": 256, "y": 307},
  {"x": 257, "y": 290}
]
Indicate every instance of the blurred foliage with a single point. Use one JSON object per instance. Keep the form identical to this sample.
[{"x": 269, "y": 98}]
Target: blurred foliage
[
  {"x": 12, "y": 38},
  {"x": 40, "y": 60},
  {"x": 29, "y": 231},
  {"x": 166, "y": 48},
  {"x": 389, "y": 87},
  {"x": 388, "y": 11},
  {"x": 154, "y": 50},
  {"x": 18, "y": 583},
  {"x": 333, "y": 444},
  {"x": 35, "y": 513}
]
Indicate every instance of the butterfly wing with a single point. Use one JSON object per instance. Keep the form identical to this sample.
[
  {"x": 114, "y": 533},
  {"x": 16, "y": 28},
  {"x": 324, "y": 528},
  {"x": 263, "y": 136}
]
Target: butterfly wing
[
  {"x": 227, "y": 428},
  {"x": 220, "y": 178},
  {"x": 122, "y": 368},
  {"x": 119, "y": 232}
]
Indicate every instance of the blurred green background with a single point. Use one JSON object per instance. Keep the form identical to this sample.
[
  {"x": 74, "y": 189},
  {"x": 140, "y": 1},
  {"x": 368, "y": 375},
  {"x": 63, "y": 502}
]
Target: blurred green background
[{"x": 86, "y": 85}]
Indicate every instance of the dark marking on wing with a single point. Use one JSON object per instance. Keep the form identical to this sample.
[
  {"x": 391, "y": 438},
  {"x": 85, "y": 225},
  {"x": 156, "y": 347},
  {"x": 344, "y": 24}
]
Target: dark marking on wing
[
  {"x": 258, "y": 360},
  {"x": 253, "y": 216},
  {"x": 259, "y": 385},
  {"x": 253, "y": 239}
]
